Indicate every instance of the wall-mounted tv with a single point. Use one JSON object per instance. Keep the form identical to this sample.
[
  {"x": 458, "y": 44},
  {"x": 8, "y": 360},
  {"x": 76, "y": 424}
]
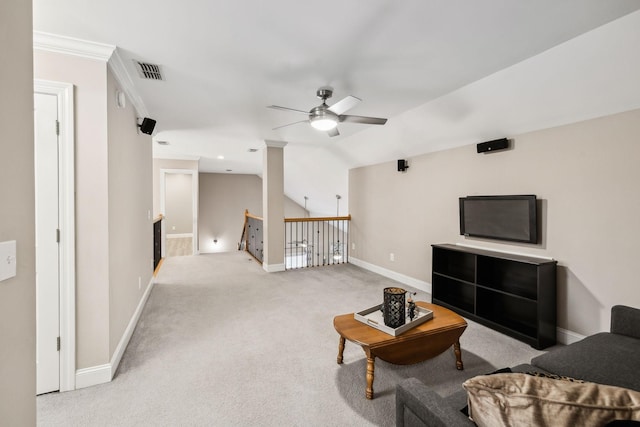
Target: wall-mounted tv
[{"x": 511, "y": 218}]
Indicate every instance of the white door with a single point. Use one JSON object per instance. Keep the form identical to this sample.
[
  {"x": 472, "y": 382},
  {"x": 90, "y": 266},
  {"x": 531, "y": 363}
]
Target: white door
[{"x": 47, "y": 237}]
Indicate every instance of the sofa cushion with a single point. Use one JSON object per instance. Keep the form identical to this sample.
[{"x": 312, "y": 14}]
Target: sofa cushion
[
  {"x": 603, "y": 358},
  {"x": 521, "y": 399},
  {"x": 625, "y": 321}
]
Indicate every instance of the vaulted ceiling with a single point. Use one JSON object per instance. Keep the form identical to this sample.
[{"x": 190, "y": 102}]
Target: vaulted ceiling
[{"x": 223, "y": 62}]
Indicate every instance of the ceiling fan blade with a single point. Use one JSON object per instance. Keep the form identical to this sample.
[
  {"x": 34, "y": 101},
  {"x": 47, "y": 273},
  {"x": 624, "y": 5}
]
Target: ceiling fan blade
[
  {"x": 345, "y": 104},
  {"x": 277, "y": 107},
  {"x": 294, "y": 123},
  {"x": 333, "y": 132},
  {"x": 363, "y": 120}
]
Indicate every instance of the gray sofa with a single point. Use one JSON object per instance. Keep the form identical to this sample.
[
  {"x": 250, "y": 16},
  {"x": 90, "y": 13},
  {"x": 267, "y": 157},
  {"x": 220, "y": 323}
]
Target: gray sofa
[{"x": 611, "y": 358}]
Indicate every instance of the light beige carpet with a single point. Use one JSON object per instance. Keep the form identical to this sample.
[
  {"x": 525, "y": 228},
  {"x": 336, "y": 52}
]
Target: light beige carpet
[{"x": 223, "y": 343}]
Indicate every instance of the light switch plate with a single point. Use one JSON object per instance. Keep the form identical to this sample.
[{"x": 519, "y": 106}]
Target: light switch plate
[{"x": 8, "y": 260}]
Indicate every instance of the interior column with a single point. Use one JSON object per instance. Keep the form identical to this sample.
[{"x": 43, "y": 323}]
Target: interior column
[{"x": 273, "y": 206}]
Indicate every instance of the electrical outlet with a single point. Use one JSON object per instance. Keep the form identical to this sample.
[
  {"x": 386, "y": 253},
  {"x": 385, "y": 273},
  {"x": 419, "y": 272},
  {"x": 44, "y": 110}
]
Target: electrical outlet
[
  {"x": 392, "y": 257},
  {"x": 8, "y": 260}
]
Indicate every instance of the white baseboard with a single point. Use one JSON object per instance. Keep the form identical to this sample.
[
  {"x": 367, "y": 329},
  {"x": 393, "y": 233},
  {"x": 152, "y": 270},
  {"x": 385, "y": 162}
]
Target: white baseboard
[
  {"x": 273, "y": 268},
  {"x": 399, "y": 277},
  {"x": 94, "y": 375},
  {"x": 101, "y": 374},
  {"x": 179, "y": 235},
  {"x": 566, "y": 337},
  {"x": 563, "y": 336},
  {"x": 124, "y": 341}
]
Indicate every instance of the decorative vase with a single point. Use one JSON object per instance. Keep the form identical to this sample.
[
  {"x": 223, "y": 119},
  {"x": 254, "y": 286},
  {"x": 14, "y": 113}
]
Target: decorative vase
[{"x": 393, "y": 307}]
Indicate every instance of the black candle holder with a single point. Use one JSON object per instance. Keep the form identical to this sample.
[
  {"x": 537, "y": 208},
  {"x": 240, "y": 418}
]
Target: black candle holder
[{"x": 393, "y": 307}]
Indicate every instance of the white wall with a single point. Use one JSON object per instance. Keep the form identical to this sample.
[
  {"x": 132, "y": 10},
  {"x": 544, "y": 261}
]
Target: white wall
[
  {"x": 586, "y": 175},
  {"x": 17, "y": 222}
]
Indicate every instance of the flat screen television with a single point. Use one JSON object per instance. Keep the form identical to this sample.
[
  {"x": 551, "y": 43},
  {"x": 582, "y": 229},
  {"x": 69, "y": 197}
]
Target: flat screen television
[{"x": 511, "y": 218}]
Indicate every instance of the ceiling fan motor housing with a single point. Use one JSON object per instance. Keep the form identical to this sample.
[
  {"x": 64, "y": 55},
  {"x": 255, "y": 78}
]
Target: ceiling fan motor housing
[
  {"x": 324, "y": 93},
  {"x": 322, "y": 111}
]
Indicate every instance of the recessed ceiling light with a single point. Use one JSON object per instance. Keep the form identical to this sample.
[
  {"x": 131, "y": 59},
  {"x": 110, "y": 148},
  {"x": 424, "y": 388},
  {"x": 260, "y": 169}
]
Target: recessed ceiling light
[
  {"x": 163, "y": 142},
  {"x": 229, "y": 170},
  {"x": 220, "y": 157}
]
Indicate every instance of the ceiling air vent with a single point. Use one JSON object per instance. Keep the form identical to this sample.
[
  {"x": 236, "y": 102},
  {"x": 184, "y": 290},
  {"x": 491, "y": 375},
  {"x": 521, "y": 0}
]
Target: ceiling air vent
[{"x": 148, "y": 71}]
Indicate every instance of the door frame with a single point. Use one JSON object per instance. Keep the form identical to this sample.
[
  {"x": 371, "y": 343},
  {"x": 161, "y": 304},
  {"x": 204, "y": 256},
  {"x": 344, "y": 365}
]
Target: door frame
[
  {"x": 66, "y": 212},
  {"x": 194, "y": 204}
]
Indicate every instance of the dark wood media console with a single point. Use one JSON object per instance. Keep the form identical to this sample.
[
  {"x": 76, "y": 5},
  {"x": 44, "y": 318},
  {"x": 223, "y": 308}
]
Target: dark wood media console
[{"x": 513, "y": 294}]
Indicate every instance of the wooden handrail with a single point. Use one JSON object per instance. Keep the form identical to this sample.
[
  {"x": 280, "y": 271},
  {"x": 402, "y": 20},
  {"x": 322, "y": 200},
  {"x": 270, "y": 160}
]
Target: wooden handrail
[
  {"x": 248, "y": 215},
  {"x": 325, "y": 218},
  {"x": 321, "y": 218},
  {"x": 158, "y": 218}
]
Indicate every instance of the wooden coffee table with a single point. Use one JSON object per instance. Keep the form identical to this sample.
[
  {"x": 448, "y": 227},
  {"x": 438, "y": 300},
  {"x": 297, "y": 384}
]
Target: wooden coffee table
[{"x": 416, "y": 345}]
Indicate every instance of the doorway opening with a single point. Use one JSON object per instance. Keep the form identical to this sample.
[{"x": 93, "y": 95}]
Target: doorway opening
[{"x": 179, "y": 207}]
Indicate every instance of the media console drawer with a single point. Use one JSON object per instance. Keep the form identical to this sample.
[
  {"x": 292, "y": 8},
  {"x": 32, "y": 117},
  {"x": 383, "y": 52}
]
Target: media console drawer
[{"x": 514, "y": 294}]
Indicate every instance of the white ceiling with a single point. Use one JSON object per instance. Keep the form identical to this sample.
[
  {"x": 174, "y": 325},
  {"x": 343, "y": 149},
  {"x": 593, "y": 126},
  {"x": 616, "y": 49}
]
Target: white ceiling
[{"x": 431, "y": 67}]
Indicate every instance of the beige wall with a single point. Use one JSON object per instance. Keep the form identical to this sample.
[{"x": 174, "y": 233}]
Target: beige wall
[
  {"x": 223, "y": 200},
  {"x": 273, "y": 206},
  {"x": 158, "y": 165},
  {"x": 89, "y": 78},
  {"x": 130, "y": 223},
  {"x": 586, "y": 175},
  {"x": 178, "y": 203},
  {"x": 17, "y": 222},
  {"x": 114, "y": 238}
]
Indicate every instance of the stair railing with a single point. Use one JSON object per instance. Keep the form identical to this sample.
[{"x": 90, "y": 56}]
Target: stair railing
[
  {"x": 313, "y": 242},
  {"x": 309, "y": 242},
  {"x": 251, "y": 239}
]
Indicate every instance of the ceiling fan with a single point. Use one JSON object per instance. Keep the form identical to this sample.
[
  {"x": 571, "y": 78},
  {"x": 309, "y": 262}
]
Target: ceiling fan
[{"x": 326, "y": 118}]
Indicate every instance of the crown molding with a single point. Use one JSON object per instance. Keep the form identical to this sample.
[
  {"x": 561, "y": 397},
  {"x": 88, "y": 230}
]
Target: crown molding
[
  {"x": 97, "y": 51},
  {"x": 71, "y": 46},
  {"x": 276, "y": 144},
  {"x": 119, "y": 70}
]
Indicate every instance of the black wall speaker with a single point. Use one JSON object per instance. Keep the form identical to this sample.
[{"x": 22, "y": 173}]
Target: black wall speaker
[
  {"x": 495, "y": 145},
  {"x": 147, "y": 125},
  {"x": 402, "y": 165}
]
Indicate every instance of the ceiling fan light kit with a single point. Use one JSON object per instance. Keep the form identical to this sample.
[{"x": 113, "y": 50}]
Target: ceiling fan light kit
[{"x": 325, "y": 118}]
